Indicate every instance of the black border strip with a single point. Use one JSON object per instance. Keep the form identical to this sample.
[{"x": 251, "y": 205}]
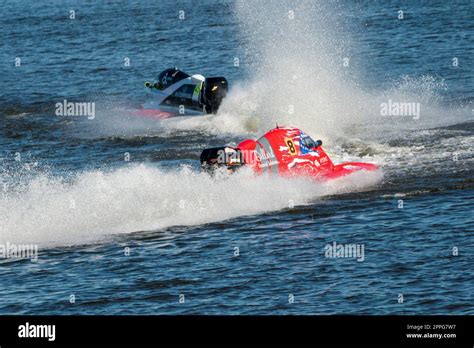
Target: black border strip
[{"x": 288, "y": 330}]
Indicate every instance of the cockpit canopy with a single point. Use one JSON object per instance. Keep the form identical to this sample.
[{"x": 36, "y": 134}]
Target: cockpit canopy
[
  {"x": 308, "y": 142},
  {"x": 169, "y": 77}
]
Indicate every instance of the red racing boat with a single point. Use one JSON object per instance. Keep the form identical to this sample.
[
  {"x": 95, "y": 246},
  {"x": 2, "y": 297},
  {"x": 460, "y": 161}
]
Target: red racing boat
[{"x": 284, "y": 151}]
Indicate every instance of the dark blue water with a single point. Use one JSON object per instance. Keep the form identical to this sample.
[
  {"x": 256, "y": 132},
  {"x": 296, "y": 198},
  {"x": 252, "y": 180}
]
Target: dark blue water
[{"x": 132, "y": 236}]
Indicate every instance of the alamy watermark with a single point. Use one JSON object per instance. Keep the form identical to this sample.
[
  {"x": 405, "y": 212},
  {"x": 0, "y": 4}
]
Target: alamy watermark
[
  {"x": 335, "y": 251},
  {"x": 19, "y": 251},
  {"x": 394, "y": 108},
  {"x": 28, "y": 330},
  {"x": 66, "y": 108}
]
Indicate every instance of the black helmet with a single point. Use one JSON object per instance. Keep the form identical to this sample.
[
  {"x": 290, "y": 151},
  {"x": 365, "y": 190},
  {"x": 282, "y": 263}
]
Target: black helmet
[{"x": 169, "y": 77}]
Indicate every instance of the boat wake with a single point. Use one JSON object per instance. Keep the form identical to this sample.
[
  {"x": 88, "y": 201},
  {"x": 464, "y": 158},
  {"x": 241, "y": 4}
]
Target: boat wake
[{"x": 97, "y": 205}]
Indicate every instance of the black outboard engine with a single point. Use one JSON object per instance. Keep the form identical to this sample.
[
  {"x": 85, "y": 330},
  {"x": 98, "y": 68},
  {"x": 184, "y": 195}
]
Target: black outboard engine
[
  {"x": 224, "y": 156},
  {"x": 215, "y": 89}
]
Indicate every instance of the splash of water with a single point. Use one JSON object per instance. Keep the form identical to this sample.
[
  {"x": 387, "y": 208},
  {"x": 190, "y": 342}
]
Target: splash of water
[
  {"x": 297, "y": 53},
  {"x": 97, "y": 205}
]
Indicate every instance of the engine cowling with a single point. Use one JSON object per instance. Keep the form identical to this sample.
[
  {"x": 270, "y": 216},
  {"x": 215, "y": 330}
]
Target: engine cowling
[{"x": 215, "y": 89}]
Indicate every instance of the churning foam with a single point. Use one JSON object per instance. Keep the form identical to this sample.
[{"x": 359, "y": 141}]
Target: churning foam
[{"x": 142, "y": 198}]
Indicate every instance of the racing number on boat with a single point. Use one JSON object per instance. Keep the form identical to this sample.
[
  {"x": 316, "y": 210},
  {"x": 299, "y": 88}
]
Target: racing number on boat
[{"x": 291, "y": 146}]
